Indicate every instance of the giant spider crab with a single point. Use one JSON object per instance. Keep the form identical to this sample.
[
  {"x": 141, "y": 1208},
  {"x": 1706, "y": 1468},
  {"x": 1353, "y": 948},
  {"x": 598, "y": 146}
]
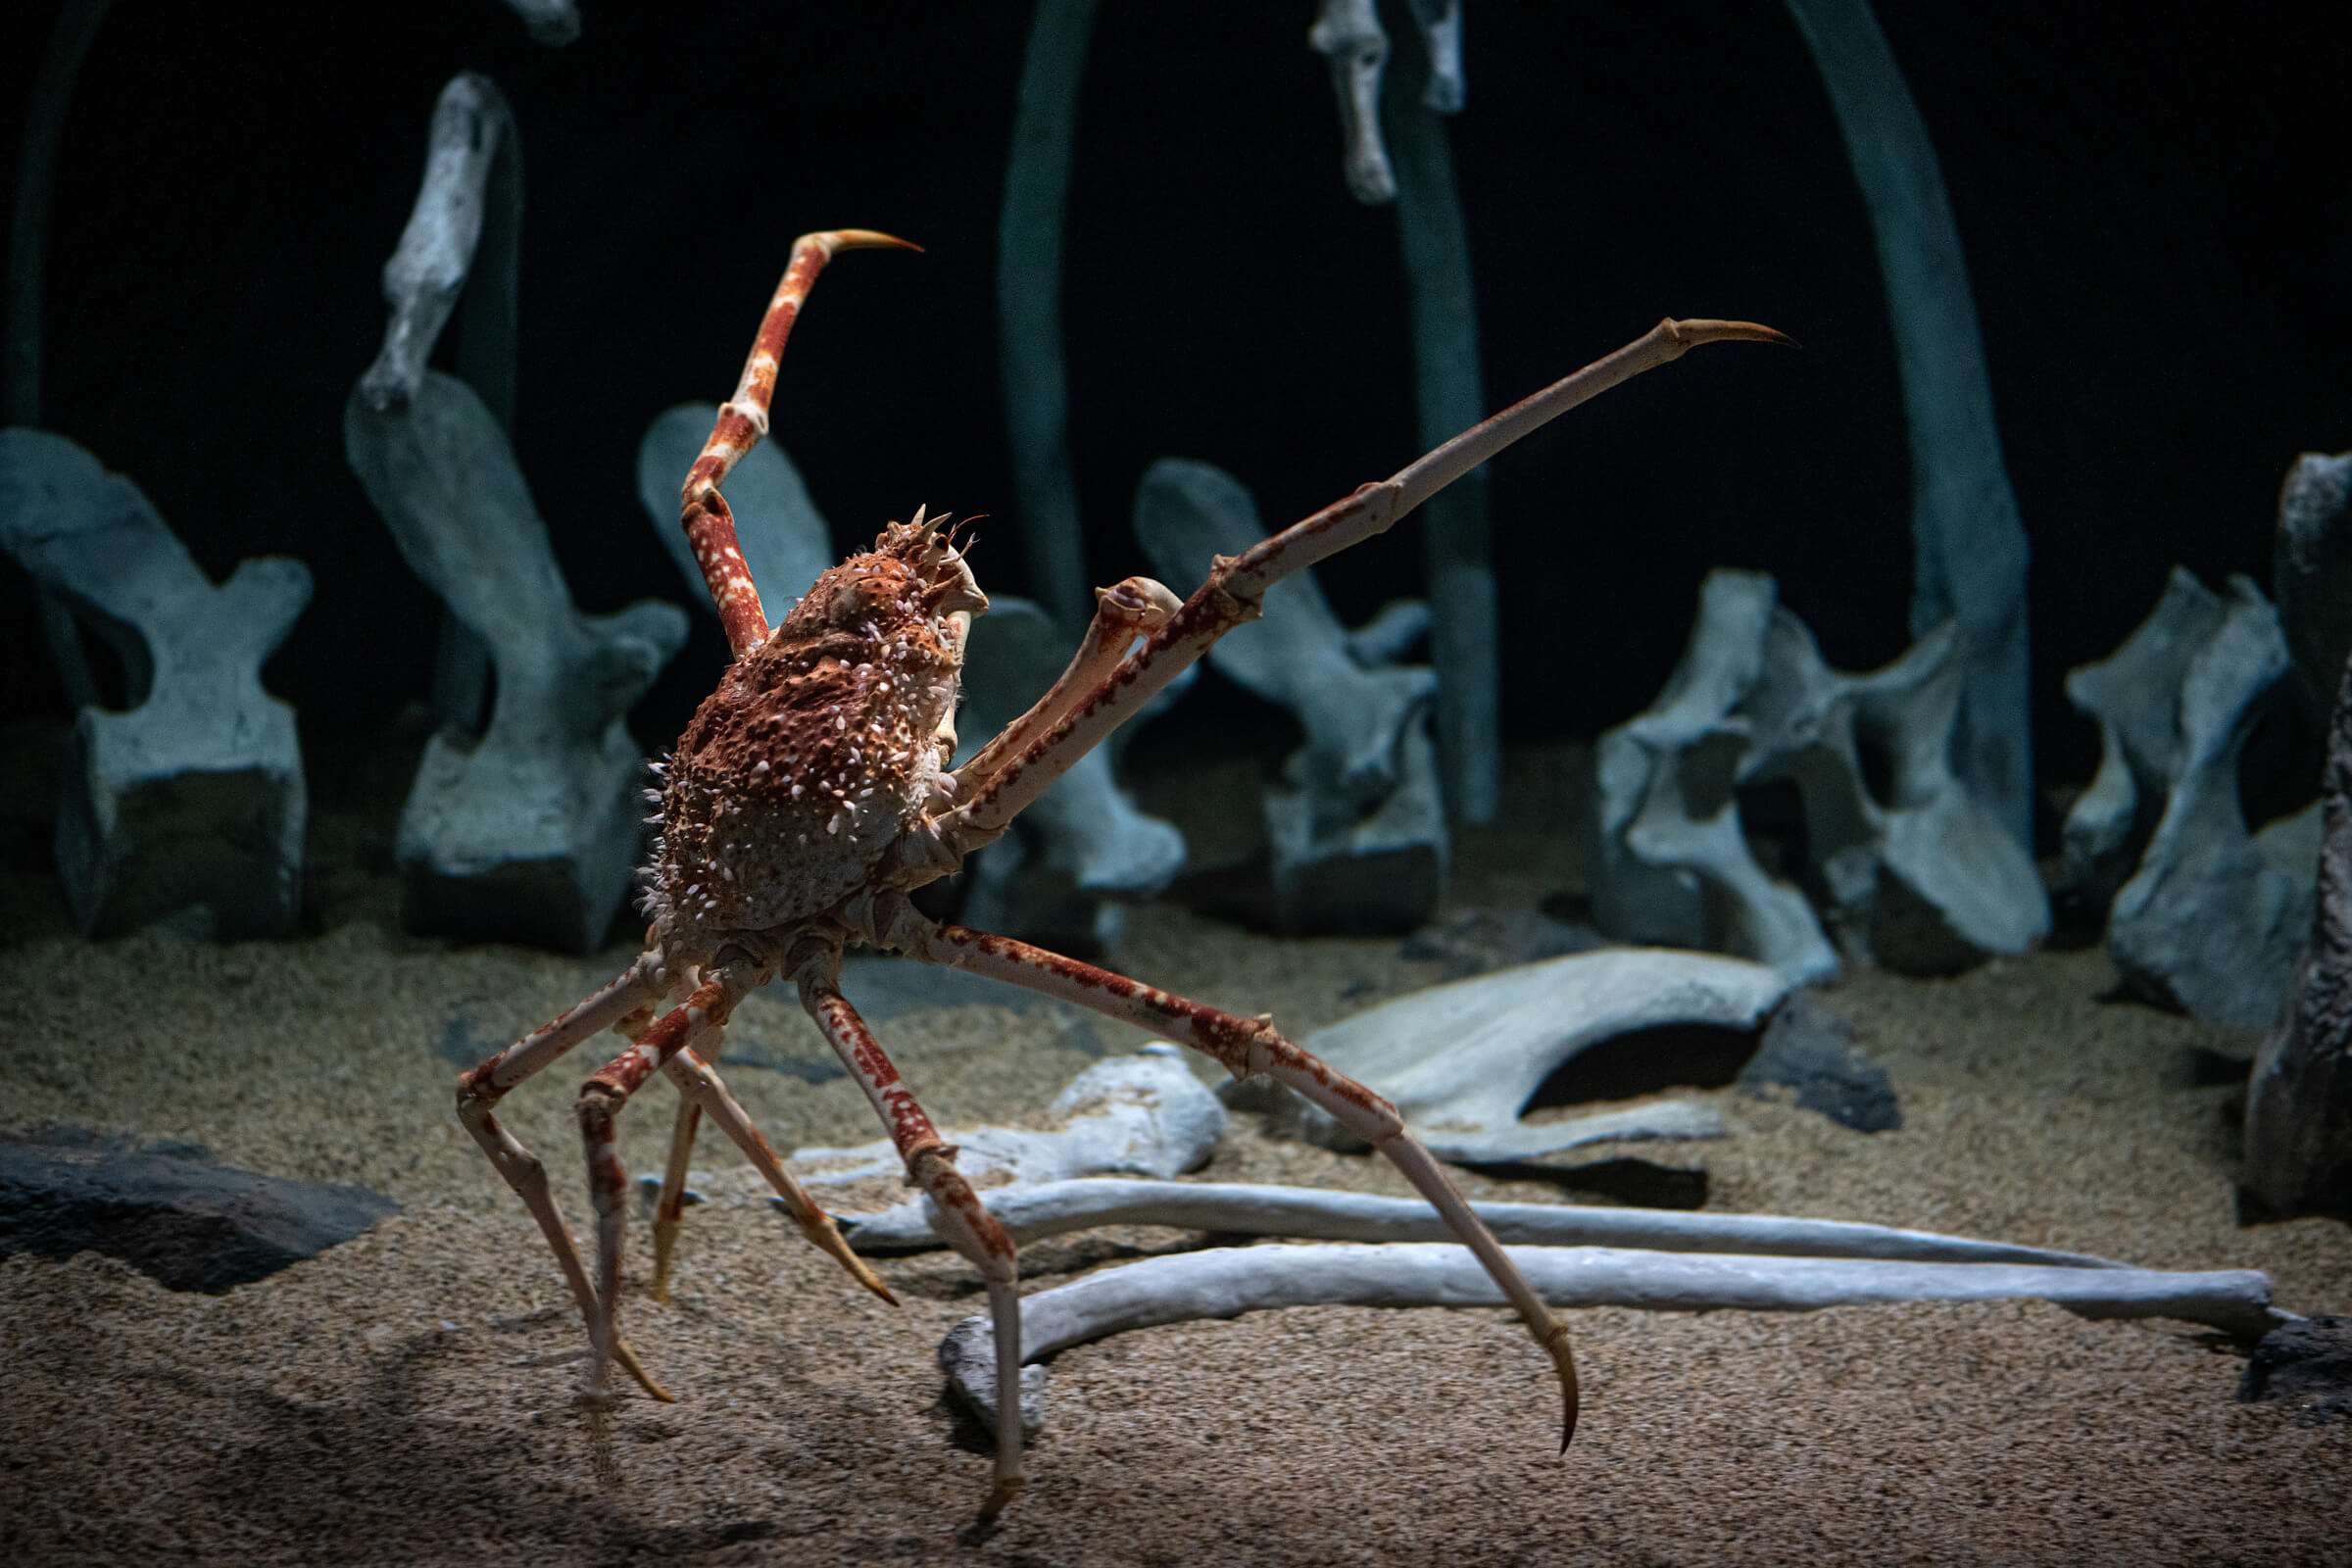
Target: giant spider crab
[{"x": 812, "y": 793}]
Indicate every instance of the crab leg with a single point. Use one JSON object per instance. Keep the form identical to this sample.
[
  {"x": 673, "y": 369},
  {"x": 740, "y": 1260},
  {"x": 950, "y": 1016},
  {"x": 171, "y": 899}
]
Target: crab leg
[
  {"x": 482, "y": 1087},
  {"x": 1236, "y": 583},
  {"x": 669, "y": 1209},
  {"x": 601, "y": 1100},
  {"x": 692, "y": 1072},
  {"x": 742, "y": 421},
  {"x": 1247, "y": 1047},
  {"x": 961, "y": 1220},
  {"x": 1135, "y": 607}
]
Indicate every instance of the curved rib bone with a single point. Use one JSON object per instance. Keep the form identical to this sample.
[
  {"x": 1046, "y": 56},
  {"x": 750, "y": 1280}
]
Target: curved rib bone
[
  {"x": 1031, "y": 1210},
  {"x": 1230, "y": 1280}
]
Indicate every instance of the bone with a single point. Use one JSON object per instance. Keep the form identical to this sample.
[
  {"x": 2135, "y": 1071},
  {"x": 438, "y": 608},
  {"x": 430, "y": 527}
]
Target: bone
[
  {"x": 1033, "y": 1212},
  {"x": 462, "y": 242},
  {"x": 1461, "y": 1062},
  {"x": 554, "y": 22},
  {"x": 530, "y": 833},
  {"x": 192, "y": 804},
  {"x": 1349, "y": 36},
  {"x": 1915, "y": 873},
  {"x": 1970, "y": 541},
  {"x": 1441, "y": 25},
  {"x": 1358, "y": 829},
  {"x": 1667, "y": 855},
  {"x": 1144, "y": 1115},
  {"x": 2214, "y": 918},
  {"x": 2134, "y": 696},
  {"x": 1031, "y": 234},
  {"x": 471, "y": 130},
  {"x": 1225, "y": 1282}
]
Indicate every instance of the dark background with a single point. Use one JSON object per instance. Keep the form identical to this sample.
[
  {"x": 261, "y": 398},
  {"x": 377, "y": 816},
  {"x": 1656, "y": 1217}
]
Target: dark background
[{"x": 2153, "y": 200}]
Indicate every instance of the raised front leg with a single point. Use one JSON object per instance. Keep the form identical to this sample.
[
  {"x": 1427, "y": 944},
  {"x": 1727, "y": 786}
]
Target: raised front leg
[
  {"x": 1236, "y": 583},
  {"x": 1247, "y": 1047},
  {"x": 742, "y": 421},
  {"x": 930, "y": 1160}
]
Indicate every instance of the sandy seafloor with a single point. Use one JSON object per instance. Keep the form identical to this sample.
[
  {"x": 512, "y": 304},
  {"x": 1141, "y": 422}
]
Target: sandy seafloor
[{"x": 410, "y": 1396}]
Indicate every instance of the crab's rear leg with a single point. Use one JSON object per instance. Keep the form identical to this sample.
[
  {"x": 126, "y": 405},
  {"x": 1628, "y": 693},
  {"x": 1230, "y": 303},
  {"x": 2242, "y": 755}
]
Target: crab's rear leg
[
  {"x": 742, "y": 421},
  {"x": 1247, "y": 1047},
  {"x": 962, "y": 1221}
]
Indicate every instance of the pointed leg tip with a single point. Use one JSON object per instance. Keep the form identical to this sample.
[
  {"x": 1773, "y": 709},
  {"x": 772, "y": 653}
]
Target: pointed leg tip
[
  {"x": 859, "y": 239},
  {"x": 1001, "y": 1497}
]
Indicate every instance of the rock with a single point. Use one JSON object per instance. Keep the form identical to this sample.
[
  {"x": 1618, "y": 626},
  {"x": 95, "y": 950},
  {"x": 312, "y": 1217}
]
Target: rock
[
  {"x": 2214, "y": 918},
  {"x": 190, "y": 805},
  {"x": 1810, "y": 1050},
  {"x": 2311, "y": 574},
  {"x": 1139, "y": 1116},
  {"x": 1357, "y": 826},
  {"x": 1478, "y": 941},
  {"x": 1462, "y": 1061},
  {"x": 2306, "y": 1364},
  {"x": 530, "y": 831},
  {"x": 169, "y": 1211},
  {"x": 2298, "y": 1130}
]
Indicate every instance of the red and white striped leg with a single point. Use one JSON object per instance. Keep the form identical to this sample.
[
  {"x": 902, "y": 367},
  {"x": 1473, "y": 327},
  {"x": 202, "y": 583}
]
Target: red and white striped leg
[
  {"x": 957, "y": 1211},
  {"x": 742, "y": 421},
  {"x": 1134, "y": 608},
  {"x": 698, "y": 1080},
  {"x": 1236, "y": 583},
  {"x": 483, "y": 1086},
  {"x": 601, "y": 1100},
  {"x": 1246, "y": 1047}
]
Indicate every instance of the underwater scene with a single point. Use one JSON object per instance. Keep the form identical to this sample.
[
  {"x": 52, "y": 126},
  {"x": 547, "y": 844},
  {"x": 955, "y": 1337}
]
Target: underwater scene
[{"x": 1365, "y": 781}]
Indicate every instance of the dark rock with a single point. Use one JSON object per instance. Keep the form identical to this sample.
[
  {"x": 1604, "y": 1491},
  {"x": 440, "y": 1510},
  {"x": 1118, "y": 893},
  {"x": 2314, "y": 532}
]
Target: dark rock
[
  {"x": 2306, "y": 1364},
  {"x": 1477, "y": 941},
  {"x": 1810, "y": 1050},
  {"x": 169, "y": 1210}
]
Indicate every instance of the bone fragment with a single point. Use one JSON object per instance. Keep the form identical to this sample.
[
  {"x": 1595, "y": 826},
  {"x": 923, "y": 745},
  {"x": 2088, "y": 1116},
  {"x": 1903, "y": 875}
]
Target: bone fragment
[
  {"x": 1357, "y": 828},
  {"x": 1032, "y": 1211},
  {"x": 1225, "y": 1282},
  {"x": 471, "y": 137},
  {"x": 529, "y": 832},
  {"x": 1461, "y": 1060},
  {"x": 2215, "y": 916},
  {"x": 1969, "y": 541},
  {"x": 1667, "y": 855},
  {"x": 1143, "y": 1114},
  {"x": 191, "y": 804}
]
